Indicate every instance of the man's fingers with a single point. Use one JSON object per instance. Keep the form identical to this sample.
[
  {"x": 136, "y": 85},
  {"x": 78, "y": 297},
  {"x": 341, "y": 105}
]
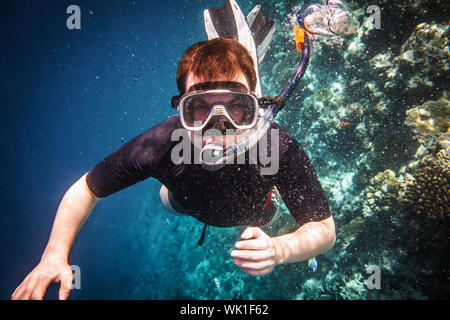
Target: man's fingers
[
  {"x": 24, "y": 291},
  {"x": 254, "y": 244},
  {"x": 66, "y": 285},
  {"x": 251, "y": 232},
  {"x": 17, "y": 293},
  {"x": 257, "y": 252},
  {"x": 253, "y": 255},
  {"x": 36, "y": 283},
  {"x": 35, "y": 287},
  {"x": 40, "y": 288},
  {"x": 258, "y": 265},
  {"x": 257, "y": 272}
]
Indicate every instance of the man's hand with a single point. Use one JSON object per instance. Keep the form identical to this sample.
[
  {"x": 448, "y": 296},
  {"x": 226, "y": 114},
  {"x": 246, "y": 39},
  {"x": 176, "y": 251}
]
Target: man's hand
[
  {"x": 47, "y": 271},
  {"x": 257, "y": 255}
]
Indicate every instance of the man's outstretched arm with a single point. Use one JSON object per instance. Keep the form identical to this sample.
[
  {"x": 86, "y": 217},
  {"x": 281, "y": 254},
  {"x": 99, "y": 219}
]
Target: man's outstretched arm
[{"x": 74, "y": 209}]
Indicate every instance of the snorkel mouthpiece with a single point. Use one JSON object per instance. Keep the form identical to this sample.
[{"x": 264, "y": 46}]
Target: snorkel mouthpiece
[
  {"x": 211, "y": 156},
  {"x": 212, "y": 153}
]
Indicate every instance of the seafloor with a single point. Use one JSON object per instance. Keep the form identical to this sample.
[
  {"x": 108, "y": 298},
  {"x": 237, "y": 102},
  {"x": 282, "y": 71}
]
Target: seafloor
[{"x": 373, "y": 114}]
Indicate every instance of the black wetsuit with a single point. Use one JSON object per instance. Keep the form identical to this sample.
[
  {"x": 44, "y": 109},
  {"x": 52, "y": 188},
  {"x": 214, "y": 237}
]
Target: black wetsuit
[{"x": 233, "y": 195}]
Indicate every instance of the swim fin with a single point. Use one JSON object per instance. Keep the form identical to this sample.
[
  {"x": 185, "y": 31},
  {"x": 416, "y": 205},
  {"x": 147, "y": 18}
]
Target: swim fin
[
  {"x": 262, "y": 29},
  {"x": 254, "y": 32}
]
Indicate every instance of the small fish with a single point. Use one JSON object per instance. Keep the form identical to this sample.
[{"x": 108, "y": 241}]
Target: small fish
[
  {"x": 312, "y": 264},
  {"x": 217, "y": 283},
  {"x": 345, "y": 123}
]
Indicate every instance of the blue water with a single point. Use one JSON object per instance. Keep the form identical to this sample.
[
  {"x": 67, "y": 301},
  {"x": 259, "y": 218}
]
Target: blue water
[{"x": 71, "y": 97}]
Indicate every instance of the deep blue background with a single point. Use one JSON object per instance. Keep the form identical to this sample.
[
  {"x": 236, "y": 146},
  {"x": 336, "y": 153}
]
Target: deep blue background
[{"x": 68, "y": 99}]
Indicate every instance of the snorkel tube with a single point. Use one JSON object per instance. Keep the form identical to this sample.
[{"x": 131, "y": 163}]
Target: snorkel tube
[
  {"x": 327, "y": 18},
  {"x": 213, "y": 156}
]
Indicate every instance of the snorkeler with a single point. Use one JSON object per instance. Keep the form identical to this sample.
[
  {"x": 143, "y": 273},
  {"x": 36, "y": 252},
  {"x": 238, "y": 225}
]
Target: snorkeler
[{"x": 217, "y": 80}]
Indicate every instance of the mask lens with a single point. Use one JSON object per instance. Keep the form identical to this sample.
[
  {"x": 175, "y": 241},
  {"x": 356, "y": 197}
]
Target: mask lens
[
  {"x": 338, "y": 4},
  {"x": 195, "y": 110},
  {"x": 343, "y": 23},
  {"x": 315, "y": 20},
  {"x": 329, "y": 19},
  {"x": 240, "y": 108}
]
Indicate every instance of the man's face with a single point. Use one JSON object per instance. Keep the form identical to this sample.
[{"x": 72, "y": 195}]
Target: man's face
[
  {"x": 203, "y": 108},
  {"x": 218, "y": 122}
]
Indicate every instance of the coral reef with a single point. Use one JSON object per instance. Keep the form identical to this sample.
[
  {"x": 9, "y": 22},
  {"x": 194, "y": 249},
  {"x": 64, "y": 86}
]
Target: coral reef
[
  {"x": 355, "y": 118},
  {"x": 431, "y": 121},
  {"x": 323, "y": 95},
  {"x": 424, "y": 197},
  {"x": 381, "y": 193},
  {"x": 422, "y": 64}
]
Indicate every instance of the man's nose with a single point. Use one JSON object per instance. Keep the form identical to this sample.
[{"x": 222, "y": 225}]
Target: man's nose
[
  {"x": 219, "y": 122},
  {"x": 220, "y": 125}
]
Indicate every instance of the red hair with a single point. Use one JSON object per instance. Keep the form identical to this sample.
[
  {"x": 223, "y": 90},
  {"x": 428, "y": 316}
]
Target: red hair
[{"x": 219, "y": 57}]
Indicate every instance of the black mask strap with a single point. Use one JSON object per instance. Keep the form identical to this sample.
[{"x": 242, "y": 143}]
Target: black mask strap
[
  {"x": 227, "y": 85},
  {"x": 265, "y": 102}
]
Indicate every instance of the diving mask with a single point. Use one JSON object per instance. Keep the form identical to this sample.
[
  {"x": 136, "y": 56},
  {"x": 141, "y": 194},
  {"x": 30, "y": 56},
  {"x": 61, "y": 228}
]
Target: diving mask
[{"x": 220, "y": 99}]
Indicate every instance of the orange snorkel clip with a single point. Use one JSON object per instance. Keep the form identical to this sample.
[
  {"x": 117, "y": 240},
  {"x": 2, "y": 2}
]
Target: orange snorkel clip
[{"x": 299, "y": 37}]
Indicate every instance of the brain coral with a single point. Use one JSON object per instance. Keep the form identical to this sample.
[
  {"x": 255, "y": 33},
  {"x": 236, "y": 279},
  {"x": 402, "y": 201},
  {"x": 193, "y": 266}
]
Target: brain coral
[{"x": 428, "y": 192}]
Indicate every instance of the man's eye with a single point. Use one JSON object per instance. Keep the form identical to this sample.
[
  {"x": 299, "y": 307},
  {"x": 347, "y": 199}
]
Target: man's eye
[
  {"x": 199, "y": 106},
  {"x": 235, "y": 106}
]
